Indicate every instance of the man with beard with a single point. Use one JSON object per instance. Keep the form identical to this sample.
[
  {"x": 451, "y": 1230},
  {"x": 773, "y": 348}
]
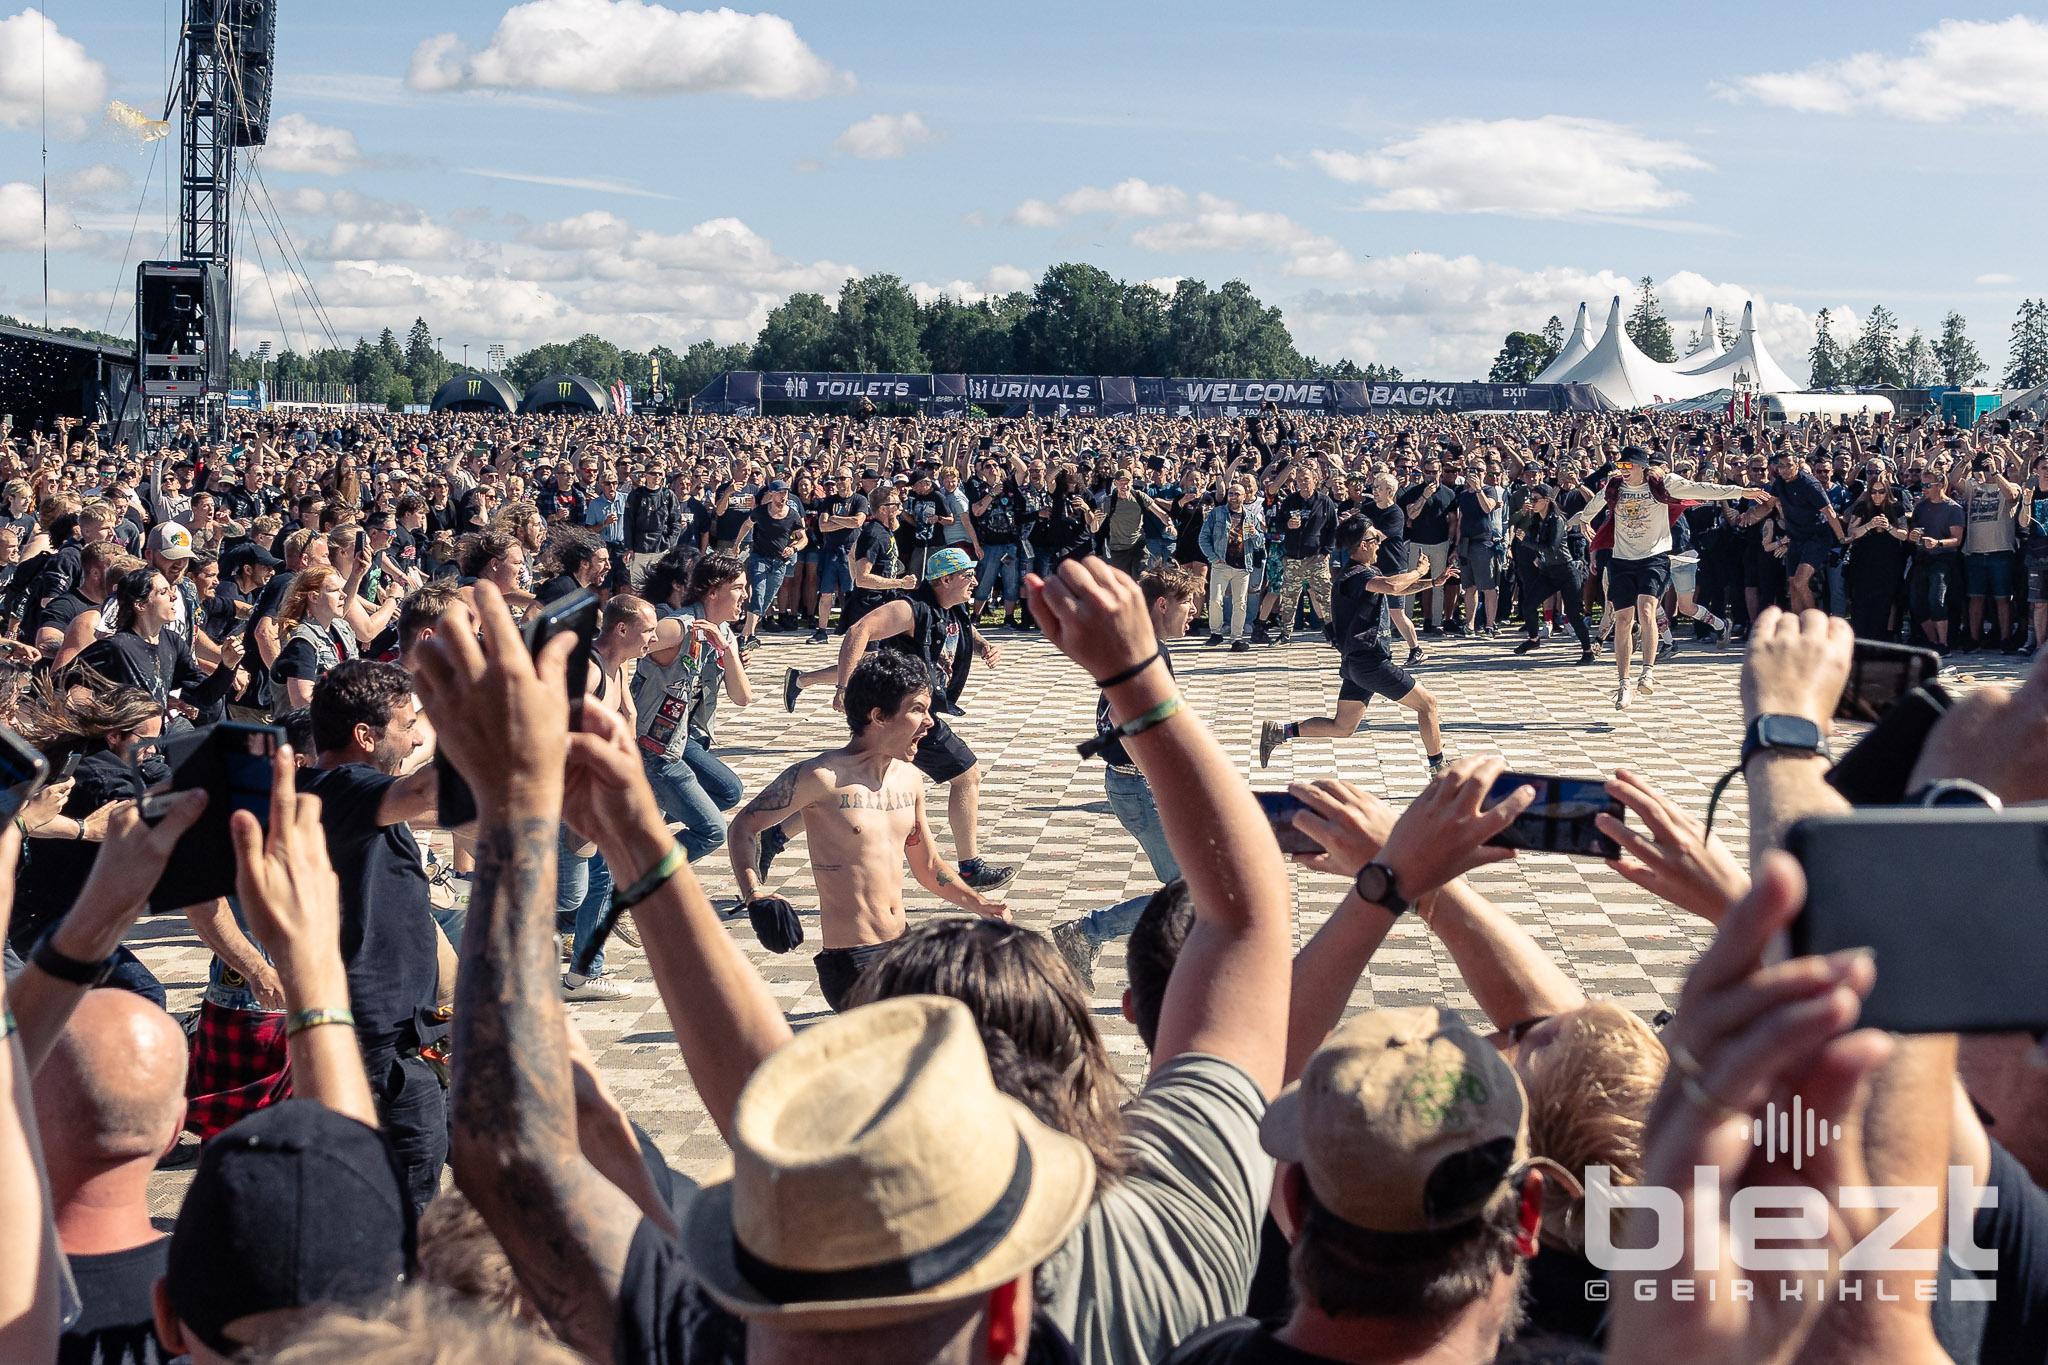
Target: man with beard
[{"x": 365, "y": 729}]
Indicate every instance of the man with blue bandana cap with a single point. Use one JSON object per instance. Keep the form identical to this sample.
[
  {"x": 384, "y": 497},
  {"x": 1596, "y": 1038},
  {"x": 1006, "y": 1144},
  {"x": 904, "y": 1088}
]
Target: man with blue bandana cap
[{"x": 930, "y": 624}]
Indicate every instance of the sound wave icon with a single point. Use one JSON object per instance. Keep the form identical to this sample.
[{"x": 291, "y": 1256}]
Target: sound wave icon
[{"x": 1798, "y": 1131}]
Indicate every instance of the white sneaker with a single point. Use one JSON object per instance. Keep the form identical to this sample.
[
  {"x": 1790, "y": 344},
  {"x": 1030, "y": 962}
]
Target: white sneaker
[
  {"x": 1623, "y": 695},
  {"x": 1645, "y": 684},
  {"x": 603, "y": 986}
]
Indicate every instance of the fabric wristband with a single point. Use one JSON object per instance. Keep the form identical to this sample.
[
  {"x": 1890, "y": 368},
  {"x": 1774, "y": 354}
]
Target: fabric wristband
[
  {"x": 65, "y": 968},
  {"x": 8, "y": 1028},
  {"x": 649, "y": 884},
  {"x": 298, "y": 1021},
  {"x": 1136, "y": 725},
  {"x": 1133, "y": 671}
]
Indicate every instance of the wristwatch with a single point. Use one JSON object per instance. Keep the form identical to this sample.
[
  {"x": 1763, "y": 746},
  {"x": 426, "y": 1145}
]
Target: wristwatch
[
  {"x": 1375, "y": 886},
  {"x": 1794, "y": 733},
  {"x": 65, "y": 968},
  {"x": 1954, "y": 791}
]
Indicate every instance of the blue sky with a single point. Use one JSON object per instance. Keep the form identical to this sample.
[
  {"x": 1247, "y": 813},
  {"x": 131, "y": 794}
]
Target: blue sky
[{"x": 1406, "y": 182}]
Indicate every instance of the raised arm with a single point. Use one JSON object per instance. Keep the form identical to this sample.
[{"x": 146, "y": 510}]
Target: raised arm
[
  {"x": 1228, "y": 995},
  {"x": 796, "y": 787},
  {"x": 30, "y": 1261}
]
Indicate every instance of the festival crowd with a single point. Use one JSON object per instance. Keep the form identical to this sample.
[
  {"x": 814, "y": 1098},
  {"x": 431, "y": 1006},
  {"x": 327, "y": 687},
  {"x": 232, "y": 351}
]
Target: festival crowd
[{"x": 410, "y": 1154}]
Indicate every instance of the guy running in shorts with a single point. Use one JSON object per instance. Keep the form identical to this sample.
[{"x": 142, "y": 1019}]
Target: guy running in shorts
[
  {"x": 930, "y": 625},
  {"x": 863, "y": 808},
  {"x": 1359, "y": 606}
]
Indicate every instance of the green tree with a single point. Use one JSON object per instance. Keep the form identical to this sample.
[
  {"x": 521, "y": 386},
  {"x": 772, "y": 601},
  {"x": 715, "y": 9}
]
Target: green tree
[
  {"x": 1521, "y": 358},
  {"x": 1553, "y": 336},
  {"x": 703, "y": 362},
  {"x": 387, "y": 347},
  {"x": 1917, "y": 367},
  {"x": 1955, "y": 355},
  {"x": 875, "y": 328},
  {"x": 397, "y": 392},
  {"x": 1647, "y": 326},
  {"x": 797, "y": 336},
  {"x": 970, "y": 338},
  {"x": 1874, "y": 357},
  {"x": 2026, "y": 362},
  {"x": 1076, "y": 322},
  {"x": 1828, "y": 362}
]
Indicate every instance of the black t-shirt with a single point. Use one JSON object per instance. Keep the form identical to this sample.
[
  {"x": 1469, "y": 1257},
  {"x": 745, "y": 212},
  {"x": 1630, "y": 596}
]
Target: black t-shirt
[
  {"x": 664, "y": 1317},
  {"x": 387, "y": 928},
  {"x": 158, "y": 669},
  {"x": 1360, "y": 616},
  {"x": 851, "y": 505},
  {"x": 60, "y": 611},
  {"x": 876, "y": 547},
  {"x": 922, "y": 511},
  {"x": 1240, "y": 1341},
  {"x": 298, "y": 659},
  {"x": 217, "y": 613},
  {"x": 1429, "y": 522},
  {"x": 1115, "y": 752},
  {"x": 1002, "y": 521},
  {"x": 1392, "y": 523},
  {"x": 54, "y": 870},
  {"x": 939, "y": 637},
  {"x": 773, "y": 534},
  {"x": 116, "y": 1325},
  {"x": 556, "y": 588}
]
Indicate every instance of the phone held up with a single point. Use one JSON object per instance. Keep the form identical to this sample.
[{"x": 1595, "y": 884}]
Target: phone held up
[
  {"x": 1560, "y": 820},
  {"x": 23, "y": 771},
  {"x": 575, "y": 614},
  {"x": 1280, "y": 808},
  {"x": 231, "y": 762}
]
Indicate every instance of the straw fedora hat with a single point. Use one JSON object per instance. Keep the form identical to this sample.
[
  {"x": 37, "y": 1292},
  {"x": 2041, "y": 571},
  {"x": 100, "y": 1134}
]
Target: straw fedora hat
[{"x": 878, "y": 1174}]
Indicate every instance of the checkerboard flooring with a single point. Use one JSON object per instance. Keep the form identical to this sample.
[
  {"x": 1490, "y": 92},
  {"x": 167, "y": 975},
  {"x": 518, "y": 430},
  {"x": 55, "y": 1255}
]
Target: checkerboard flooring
[{"x": 1044, "y": 809}]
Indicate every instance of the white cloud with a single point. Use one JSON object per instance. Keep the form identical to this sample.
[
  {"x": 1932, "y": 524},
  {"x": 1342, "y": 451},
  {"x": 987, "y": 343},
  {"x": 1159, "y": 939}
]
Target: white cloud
[
  {"x": 569, "y": 182},
  {"x": 1166, "y": 284},
  {"x": 21, "y": 222},
  {"x": 1998, "y": 279},
  {"x": 296, "y": 143},
  {"x": 1440, "y": 317},
  {"x": 1958, "y": 67},
  {"x": 884, "y": 137},
  {"x": 1549, "y": 167},
  {"x": 1222, "y": 225},
  {"x": 37, "y": 63},
  {"x": 625, "y": 47},
  {"x": 1131, "y": 198},
  {"x": 995, "y": 282},
  {"x": 89, "y": 182}
]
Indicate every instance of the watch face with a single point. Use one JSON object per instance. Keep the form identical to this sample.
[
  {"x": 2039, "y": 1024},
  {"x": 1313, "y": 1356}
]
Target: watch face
[{"x": 1789, "y": 732}]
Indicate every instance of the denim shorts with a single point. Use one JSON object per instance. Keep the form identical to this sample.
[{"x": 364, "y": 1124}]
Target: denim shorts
[
  {"x": 1988, "y": 575},
  {"x": 834, "y": 574}
]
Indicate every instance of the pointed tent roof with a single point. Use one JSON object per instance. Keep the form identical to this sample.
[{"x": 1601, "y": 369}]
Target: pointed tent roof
[
  {"x": 1624, "y": 375},
  {"x": 1747, "y": 356},
  {"x": 1709, "y": 349},
  {"x": 1576, "y": 348}
]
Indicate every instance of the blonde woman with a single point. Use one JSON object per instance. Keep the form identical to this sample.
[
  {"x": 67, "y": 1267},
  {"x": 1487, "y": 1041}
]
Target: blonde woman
[{"x": 314, "y": 627}]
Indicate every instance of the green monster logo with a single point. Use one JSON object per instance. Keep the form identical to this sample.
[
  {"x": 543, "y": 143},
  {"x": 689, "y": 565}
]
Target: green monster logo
[
  {"x": 476, "y": 386},
  {"x": 562, "y": 389}
]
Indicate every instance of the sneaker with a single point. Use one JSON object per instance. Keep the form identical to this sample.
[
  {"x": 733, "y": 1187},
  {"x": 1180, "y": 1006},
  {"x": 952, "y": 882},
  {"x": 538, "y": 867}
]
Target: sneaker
[
  {"x": 820, "y": 636},
  {"x": 1623, "y": 695},
  {"x": 1588, "y": 657},
  {"x": 1529, "y": 645},
  {"x": 983, "y": 875},
  {"x": 1724, "y": 632},
  {"x": 790, "y": 689},
  {"x": 626, "y": 934},
  {"x": 1415, "y": 656},
  {"x": 1215, "y": 639},
  {"x": 1432, "y": 630},
  {"x": 1272, "y": 734},
  {"x": 567, "y": 945},
  {"x": 1493, "y": 632},
  {"x": 1285, "y": 637},
  {"x": 1240, "y": 646},
  {"x": 603, "y": 986},
  {"x": 1437, "y": 765},
  {"x": 1078, "y": 951},
  {"x": 1645, "y": 684}
]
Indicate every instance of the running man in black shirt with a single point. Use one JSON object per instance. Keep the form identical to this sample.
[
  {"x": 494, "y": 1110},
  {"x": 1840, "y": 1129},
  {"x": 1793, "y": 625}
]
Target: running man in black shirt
[{"x": 1360, "y": 611}]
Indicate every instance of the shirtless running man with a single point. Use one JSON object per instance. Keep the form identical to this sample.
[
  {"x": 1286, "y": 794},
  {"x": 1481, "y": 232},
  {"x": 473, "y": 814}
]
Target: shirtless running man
[{"x": 863, "y": 808}]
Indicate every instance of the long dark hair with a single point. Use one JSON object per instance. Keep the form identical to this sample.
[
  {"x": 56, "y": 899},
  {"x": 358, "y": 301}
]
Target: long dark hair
[
  {"x": 133, "y": 586},
  {"x": 712, "y": 571}
]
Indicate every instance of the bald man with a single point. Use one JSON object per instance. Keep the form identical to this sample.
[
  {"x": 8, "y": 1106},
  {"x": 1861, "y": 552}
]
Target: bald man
[{"x": 109, "y": 1102}]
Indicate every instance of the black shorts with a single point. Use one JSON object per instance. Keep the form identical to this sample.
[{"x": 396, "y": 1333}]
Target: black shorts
[
  {"x": 1629, "y": 579},
  {"x": 840, "y": 968},
  {"x": 942, "y": 755},
  {"x": 1362, "y": 681}
]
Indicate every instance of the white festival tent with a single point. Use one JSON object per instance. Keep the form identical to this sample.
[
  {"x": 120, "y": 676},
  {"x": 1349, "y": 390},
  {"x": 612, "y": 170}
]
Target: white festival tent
[
  {"x": 1709, "y": 349},
  {"x": 1749, "y": 357},
  {"x": 1627, "y": 378},
  {"x": 1576, "y": 348}
]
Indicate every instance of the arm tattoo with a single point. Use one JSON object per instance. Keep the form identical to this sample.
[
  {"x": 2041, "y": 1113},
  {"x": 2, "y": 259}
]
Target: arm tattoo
[{"x": 777, "y": 794}]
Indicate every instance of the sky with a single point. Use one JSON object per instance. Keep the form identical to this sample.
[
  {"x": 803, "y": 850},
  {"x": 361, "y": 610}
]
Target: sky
[{"x": 1407, "y": 183}]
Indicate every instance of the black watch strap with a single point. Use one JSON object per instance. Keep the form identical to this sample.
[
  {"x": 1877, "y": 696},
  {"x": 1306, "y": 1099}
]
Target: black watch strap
[
  {"x": 68, "y": 969},
  {"x": 1375, "y": 885}
]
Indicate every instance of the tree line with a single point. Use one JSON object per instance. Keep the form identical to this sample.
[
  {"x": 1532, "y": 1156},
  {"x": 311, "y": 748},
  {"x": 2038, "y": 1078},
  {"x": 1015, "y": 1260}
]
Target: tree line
[
  {"x": 1078, "y": 319},
  {"x": 1876, "y": 357}
]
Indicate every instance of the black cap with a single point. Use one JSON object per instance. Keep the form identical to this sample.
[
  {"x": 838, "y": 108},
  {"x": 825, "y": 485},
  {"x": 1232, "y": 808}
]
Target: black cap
[
  {"x": 236, "y": 558},
  {"x": 293, "y": 1206},
  {"x": 1542, "y": 490}
]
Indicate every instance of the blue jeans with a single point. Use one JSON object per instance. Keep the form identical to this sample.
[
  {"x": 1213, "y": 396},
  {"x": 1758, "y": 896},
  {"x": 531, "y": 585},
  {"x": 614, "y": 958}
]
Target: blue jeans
[
  {"x": 694, "y": 790},
  {"x": 1115, "y": 922},
  {"x": 999, "y": 564},
  {"x": 1159, "y": 550},
  {"x": 764, "y": 577},
  {"x": 583, "y": 889},
  {"x": 1130, "y": 800}
]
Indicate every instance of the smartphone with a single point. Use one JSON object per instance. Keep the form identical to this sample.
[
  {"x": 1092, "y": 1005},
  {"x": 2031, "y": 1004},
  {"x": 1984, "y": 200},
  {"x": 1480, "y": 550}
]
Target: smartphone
[
  {"x": 23, "y": 771},
  {"x": 575, "y": 614},
  {"x": 70, "y": 764},
  {"x": 1560, "y": 820},
  {"x": 231, "y": 762},
  {"x": 1878, "y": 768},
  {"x": 1880, "y": 674},
  {"x": 1280, "y": 808},
  {"x": 987, "y": 441},
  {"x": 1953, "y": 914}
]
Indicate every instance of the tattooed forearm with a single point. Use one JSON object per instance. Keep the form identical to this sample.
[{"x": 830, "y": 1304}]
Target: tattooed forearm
[{"x": 777, "y": 794}]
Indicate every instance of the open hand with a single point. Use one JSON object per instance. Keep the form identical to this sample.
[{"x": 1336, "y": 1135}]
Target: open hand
[
  {"x": 1796, "y": 665},
  {"x": 1352, "y": 825},
  {"x": 1443, "y": 832},
  {"x": 1679, "y": 860},
  {"x": 1094, "y": 614},
  {"x": 286, "y": 884}
]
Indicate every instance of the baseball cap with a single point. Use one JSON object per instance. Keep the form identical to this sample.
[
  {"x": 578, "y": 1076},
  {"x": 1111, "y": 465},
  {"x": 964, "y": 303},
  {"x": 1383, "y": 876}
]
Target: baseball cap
[
  {"x": 1404, "y": 1120},
  {"x": 871, "y": 473},
  {"x": 239, "y": 557},
  {"x": 945, "y": 562},
  {"x": 171, "y": 541},
  {"x": 292, "y": 1206},
  {"x": 776, "y": 486}
]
